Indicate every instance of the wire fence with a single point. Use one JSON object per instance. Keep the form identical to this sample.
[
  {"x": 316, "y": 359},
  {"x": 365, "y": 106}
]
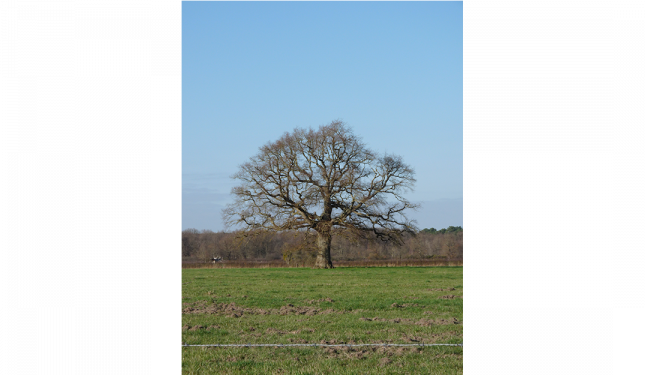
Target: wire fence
[{"x": 316, "y": 345}]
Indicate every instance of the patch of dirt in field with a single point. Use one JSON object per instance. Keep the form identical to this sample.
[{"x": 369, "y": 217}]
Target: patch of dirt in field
[
  {"x": 306, "y": 310},
  {"x": 396, "y": 305},
  {"x": 272, "y": 330},
  {"x": 330, "y": 351},
  {"x": 429, "y": 322},
  {"x": 412, "y": 339},
  {"x": 198, "y": 327},
  {"x": 425, "y": 323},
  {"x": 385, "y": 361},
  {"x": 347, "y": 352},
  {"x": 326, "y": 299},
  {"x": 395, "y": 320},
  {"x": 356, "y": 354},
  {"x": 422, "y": 322},
  {"x": 301, "y": 310},
  {"x": 298, "y": 341},
  {"x": 441, "y": 289},
  {"x": 404, "y": 350},
  {"x": 235, "y": 311},
  {"x": 451, "y": 296},
  {"x": 383, "y": 350}
]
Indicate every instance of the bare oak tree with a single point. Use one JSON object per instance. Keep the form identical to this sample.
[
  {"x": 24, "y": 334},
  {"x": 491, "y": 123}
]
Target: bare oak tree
[{"x": 323, "y": 181}]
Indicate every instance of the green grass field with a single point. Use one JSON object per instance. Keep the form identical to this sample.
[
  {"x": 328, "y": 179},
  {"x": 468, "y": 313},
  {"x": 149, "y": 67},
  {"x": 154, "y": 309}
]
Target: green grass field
[{"x": 341, "y": 306}]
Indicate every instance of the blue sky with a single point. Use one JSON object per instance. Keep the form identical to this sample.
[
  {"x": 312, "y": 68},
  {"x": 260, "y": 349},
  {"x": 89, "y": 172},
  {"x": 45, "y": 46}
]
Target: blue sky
[{"x": 393, "y": 71}]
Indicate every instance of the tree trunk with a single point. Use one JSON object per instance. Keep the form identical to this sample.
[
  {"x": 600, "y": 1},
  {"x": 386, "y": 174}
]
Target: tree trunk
[{"x": 323, "y": 260}]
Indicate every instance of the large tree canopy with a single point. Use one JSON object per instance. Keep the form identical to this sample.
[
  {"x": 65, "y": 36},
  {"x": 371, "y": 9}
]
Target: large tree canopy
[{"x": 323, "y": 180}]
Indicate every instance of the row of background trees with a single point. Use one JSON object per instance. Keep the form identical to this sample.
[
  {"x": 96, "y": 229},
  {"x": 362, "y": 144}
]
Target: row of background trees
[{"x": 295, "y": 247}]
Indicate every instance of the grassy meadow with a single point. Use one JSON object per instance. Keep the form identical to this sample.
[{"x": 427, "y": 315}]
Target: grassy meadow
[{"x": 395, "y": 305}]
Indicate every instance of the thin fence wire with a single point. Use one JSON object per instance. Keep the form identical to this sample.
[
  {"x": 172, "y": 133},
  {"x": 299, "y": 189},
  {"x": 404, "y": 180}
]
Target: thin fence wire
[{"x": 319, "y": 345}]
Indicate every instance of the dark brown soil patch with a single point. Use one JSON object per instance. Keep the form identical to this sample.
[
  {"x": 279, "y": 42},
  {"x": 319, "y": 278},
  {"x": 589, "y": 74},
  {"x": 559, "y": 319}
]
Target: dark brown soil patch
[{"x": 451, "y": 296}]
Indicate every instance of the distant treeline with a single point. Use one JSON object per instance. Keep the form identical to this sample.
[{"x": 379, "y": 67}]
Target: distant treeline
[
  {"x": 450, "y": 229},
  {"x": 293, "y": 247}
]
